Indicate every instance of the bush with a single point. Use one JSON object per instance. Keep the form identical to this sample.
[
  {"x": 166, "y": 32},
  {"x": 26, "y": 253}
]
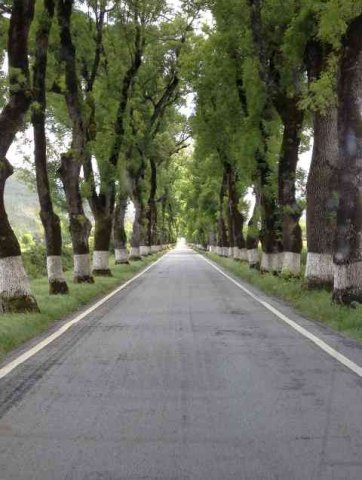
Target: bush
[{"x": 34, "y": 259}]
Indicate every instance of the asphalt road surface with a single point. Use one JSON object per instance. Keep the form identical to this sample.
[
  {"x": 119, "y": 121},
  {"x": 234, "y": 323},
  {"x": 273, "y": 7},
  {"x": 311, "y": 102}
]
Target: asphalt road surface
[{"x": 182, "y": 376}]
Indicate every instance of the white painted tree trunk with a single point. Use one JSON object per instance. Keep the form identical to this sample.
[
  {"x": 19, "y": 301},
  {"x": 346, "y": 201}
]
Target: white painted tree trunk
[
  {"x": 135, "y": 253},
  {"x": 55, "y": 268},
  {"x": 348, "y": 278},
  {"x": 271, "y": 262},
  {"x": 266, "y": 261},
  {"x": 253, "y": 256},
  {"x": 121, "y": 256},
  {"x": 243, "y": 254},
  {"x": 14, "y": 286},
  {"x": 81, "y": 267},
  {"x": 319, "y": 269},
  {"x": 57, "y": 283},
  {"x": 101, "y": 261},
  {"x": 144, "y": 250},
  {"x": 291, "y": 264}
]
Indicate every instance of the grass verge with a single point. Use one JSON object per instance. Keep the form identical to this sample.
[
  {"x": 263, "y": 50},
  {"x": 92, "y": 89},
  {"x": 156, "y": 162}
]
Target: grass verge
[
  {"x": 16, "y": 329},
  {"x": 314, "y": 304}
]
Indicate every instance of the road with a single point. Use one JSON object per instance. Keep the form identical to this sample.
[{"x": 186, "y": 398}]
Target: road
[{"x": 182, "y": 376}]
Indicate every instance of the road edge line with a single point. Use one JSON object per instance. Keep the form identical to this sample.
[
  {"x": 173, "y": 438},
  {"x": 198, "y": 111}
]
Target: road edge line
[
  {"x": 22, "y": 358},
  {"x": 354, "y": 367}
]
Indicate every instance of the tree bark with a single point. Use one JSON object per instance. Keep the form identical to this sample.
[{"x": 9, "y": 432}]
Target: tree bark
[
  {"x": 270, "y": 227},
  {"x": 71, "y": 162},
  {"x": 321, "y": 184},
  {"x": 119, "y": 231},
  {"x": 322, "y": 201},
  {"x": 237, "y": 219},
  {"x": 103, "y": 221},
  {"x": 102, "y": 203},
  {"x": 152, "y": 207},
  {"x": 222, "y": 232},
  {"x": 138, "y": 233},
  {"x": 253, "y": 235},
  {"x": 270, "y": 235},
  {"x": 136, "y": 238},
  {"x": 348, "y": 248},
  {"x": 50, "y": 221},
  {"x": 79, "y": 225},
  {"x": 15, "y": 294},
  {"x": 291, "y": 211}
]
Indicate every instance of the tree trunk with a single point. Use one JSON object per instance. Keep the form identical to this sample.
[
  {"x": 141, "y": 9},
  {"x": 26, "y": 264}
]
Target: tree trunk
[
  {"x": 71, "y": 162},
  {"x": 152, "y": 208},
  {"x": 270, "y": 228},
  {"x": 163, "y": 221},
  {"x": 322, "y": 201},
  {"x": 119, "y": 232},
  {"x": 103, "y": 222},
  {"x": 50, "y": 221},
  {"x": 79, "y": 225},
  {"x": 138, "y": 233},
  {"x": 322, "y": 183},
  {"x": 102, "y": 206},
  {"x": 136, "y": 238},
  {"x": 222, "y": 232},
  {"x": 212, "y": 241},
  {"x": 253, "y": 235},
  {"x": 103, "y": 211},
  {"x": 237, "y": 219},
  {"x": 348, "y": 251},
  {"x": 15, "y": 294},
  {"x": 291, "y": 212}
]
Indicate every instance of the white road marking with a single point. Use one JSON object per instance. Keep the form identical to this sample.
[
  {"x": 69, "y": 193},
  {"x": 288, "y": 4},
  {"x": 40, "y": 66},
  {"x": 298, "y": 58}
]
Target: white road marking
[
  {"x": 317, "y": 341},
  {"x": 32, "y": 351}
]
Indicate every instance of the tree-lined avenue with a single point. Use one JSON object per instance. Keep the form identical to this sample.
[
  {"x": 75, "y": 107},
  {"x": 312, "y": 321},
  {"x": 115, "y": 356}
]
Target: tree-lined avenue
[{"x": 182, "y": 376}]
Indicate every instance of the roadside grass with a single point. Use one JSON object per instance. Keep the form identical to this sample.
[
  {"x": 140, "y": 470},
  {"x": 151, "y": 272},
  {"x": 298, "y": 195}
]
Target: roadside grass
[
  {"x": 16, "y": 329},
  {"x": 314, "y": 304}
]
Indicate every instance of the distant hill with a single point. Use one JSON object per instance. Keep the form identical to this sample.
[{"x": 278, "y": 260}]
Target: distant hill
[{"x": 22, "y": 207}]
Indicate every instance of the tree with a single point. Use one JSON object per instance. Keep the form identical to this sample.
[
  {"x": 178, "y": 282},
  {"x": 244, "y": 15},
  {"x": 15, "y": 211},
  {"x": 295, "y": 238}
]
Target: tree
[
  {"x": 102, "y": 203},
  {"x": 157, "y": 90},
  {"x": 348, "y": 249},
  {"x": 15, "y": 294},
  {"x": 50, "y": 221},
  {"x": 119, "y": 231},
  {"x": 74, "y": 158},
  {"x": 322, "y": 178}
]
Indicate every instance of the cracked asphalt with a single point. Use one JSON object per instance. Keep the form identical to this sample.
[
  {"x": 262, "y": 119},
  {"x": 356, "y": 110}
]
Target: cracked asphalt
[{"x": 182, "y": 376}]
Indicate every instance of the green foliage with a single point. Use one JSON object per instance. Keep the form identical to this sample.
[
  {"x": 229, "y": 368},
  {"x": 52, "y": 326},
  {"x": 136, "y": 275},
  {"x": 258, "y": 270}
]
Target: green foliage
[
  {"x": 34, "y": 257},
  {"x": 335, "y": 15}
]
